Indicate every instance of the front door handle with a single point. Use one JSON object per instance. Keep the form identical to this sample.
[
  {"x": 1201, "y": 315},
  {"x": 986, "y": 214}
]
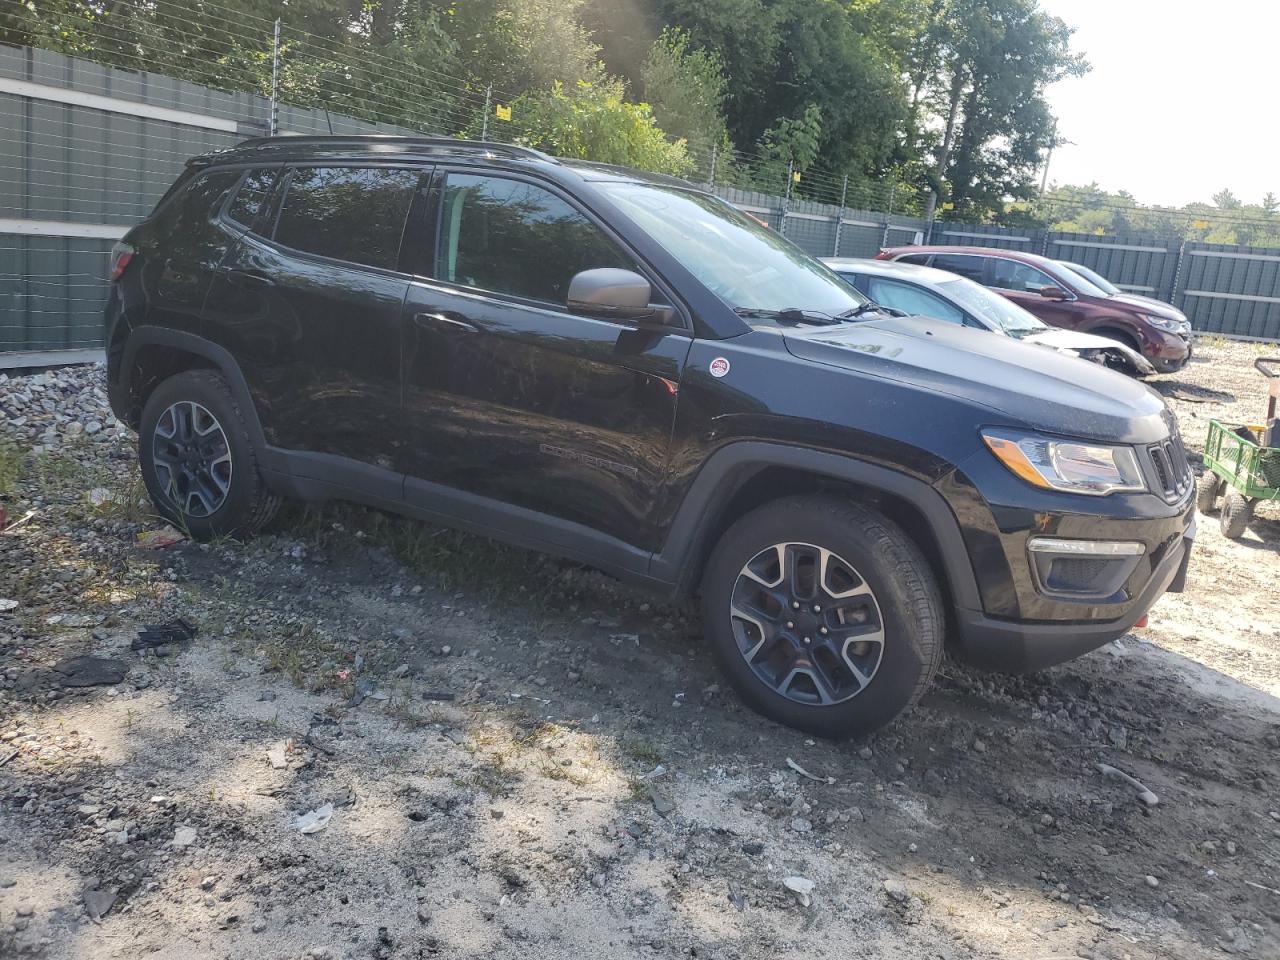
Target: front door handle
[{"x": 445, "y": 321}]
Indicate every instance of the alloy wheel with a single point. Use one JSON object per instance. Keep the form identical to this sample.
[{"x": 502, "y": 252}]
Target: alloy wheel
[
  {"x": 807, "y": 623},
  {"x": 192, "y": 458}
]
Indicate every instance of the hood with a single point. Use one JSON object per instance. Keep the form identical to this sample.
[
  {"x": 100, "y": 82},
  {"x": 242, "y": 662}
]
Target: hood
[
  {"x": 1149, "y": 305},
  {"x": 1089, "y": 343},
  {"x": 1020, "y": 383}
]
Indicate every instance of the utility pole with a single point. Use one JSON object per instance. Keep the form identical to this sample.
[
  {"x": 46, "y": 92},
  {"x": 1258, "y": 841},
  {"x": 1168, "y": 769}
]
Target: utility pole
[
  {"x": 711, "y": 182},
  {"x": 844, "y": 192},
  {"x": 786, "y": 200},
  {"x": 1053, "y": 142},
  {"x": 275, "y": 81},
  {"x": 488, "y": 105}
]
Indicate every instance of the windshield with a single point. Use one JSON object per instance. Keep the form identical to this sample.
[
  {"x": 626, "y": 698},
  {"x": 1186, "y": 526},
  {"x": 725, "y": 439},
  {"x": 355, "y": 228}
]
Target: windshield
[
  {"x": 991, "y": 307},
  {"x": 747, "y": 265},
  {"x": 1097, "y": 279}
]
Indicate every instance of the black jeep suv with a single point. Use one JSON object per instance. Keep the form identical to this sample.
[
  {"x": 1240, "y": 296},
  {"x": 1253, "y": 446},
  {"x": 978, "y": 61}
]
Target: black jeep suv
[{"x": 623, "y": 369}]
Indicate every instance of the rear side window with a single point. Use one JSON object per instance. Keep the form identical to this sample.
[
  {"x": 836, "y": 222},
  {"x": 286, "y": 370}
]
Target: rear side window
[
  {"x": 912, "y": 299},
  {"x": 355, "y": 214},
  {"x": 508, "y": 236},
  {"x": 249, "y": 205},
  {"x": 917, "y": 258},
  {"x": 965, "y": 266}
]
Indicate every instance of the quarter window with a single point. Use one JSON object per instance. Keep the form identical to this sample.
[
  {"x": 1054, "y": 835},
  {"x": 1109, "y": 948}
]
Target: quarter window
[
  {"x": 355, "y": 214},
  {"x": 1016, "y": 275},
  {"x": 511, "y": 237},
  {"x": 250, "y": 201}
]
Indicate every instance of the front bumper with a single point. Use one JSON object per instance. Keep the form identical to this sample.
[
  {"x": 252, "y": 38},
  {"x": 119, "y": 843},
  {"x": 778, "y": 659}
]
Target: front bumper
[
  {"x": 1019, "y": 646},
  {"x": 1171, "y": 351}
]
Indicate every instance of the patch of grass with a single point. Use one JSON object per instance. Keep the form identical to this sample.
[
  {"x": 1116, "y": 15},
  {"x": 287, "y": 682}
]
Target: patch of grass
[
  {"x": 11, "y": 458},
  {"x": 641, "y": 749}
]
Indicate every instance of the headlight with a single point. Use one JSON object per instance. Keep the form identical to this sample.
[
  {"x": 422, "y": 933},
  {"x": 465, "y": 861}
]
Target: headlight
[
  {"x": 1162, "y": 323},
  {"x": 1088, "y": 468}
]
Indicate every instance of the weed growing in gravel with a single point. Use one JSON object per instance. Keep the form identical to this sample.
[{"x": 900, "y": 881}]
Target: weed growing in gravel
[{"x": 10, "y": 466}]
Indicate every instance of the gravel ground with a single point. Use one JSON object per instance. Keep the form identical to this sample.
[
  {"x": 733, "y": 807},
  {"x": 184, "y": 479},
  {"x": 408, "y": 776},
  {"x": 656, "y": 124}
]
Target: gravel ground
[{"x": 520, "y": 758}]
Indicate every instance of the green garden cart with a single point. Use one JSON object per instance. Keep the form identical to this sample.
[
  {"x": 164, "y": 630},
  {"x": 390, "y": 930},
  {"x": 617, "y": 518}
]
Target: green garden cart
[{"x": 1242, "y": 461}]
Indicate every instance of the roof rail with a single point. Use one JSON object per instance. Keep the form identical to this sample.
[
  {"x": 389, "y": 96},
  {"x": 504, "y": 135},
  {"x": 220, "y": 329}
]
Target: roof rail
[{"x": 437, "y": 143}]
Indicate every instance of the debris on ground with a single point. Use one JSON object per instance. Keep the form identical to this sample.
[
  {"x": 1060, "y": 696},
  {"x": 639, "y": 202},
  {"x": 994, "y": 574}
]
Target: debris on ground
[
  {"x": 313, "y": 821},
  {"x": 1144, "y": 795},
  {"x": 159, "y": 539},
  {"x": 154, "y": 635},
  {"x": 807, "y": 775},
  {"x": 98, "y": 902},
  {"x": 88, "y": 671},
  {"x": 802, "y": 887}
]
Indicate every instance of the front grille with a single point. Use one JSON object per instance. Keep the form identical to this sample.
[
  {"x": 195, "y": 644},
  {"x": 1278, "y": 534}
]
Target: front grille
[{"x": 1168, "y": 460}]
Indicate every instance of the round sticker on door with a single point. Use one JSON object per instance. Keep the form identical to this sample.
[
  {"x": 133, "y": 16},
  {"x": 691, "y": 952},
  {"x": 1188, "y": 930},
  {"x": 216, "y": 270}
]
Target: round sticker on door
[{"x": 719, "y": 367}]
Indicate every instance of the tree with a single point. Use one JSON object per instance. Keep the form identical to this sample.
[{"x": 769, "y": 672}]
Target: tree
[
  {"x": 1226, "y": 200},
  {"x": 518, "y": 45},
  {"x": 592, "y": 120},
  {"x": 985, "y": 65},
  {"x": 686, "y": 88}
]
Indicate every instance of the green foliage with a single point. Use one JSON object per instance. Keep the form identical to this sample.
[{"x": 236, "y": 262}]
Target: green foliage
[
  {"x": 686, "y": 88},
  {"x": 594, "y": 121},
  {"x": 1090, "y": 209},
  {"x": 941, "y": 94}
]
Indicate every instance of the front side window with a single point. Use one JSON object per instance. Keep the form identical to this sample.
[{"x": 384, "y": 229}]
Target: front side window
[
  {"x": 1016, "y": 275},
  {"x": 511, "y": 237},
  {"x": 913, "y": 300},
  {"x": 355, "y": 214},
  {"x": 748, "y": 266},
  {"x": 959, "y": 263},
  {"x": 250, "y": 202}
]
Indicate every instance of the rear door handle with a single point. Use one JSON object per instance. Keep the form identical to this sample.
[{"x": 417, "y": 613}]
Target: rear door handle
[
  {"x": 249, "y": 279},
  {"x": 444, "y": 321}
]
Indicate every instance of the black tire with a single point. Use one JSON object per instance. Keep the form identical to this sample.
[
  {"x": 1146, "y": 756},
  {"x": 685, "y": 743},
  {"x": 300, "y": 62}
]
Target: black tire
[
  {"x": 1237, "y": 511},
  {"x": 247, "y": 504},
  {"x": 904, "y": 590},
  {"x": 1208, "y": 489}
]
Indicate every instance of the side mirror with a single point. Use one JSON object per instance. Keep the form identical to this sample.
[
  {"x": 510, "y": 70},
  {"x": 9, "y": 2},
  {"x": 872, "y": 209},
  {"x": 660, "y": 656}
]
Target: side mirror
[
  {"x": 1052, "y": 292},
  {"x": 613, "y": 294}
]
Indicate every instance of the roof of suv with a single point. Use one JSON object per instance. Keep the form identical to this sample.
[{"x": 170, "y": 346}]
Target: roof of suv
[{"x": 366, "y": 146}]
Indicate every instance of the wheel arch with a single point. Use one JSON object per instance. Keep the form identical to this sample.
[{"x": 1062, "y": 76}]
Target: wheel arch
[
  {"x": 153, "y": 354},
  {"x": 1117, "y": 331},
  {"x": 748, "y": 474}
]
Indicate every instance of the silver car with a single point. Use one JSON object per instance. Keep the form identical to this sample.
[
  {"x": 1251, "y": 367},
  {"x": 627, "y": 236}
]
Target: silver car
[{"x": 945, "y": 296}]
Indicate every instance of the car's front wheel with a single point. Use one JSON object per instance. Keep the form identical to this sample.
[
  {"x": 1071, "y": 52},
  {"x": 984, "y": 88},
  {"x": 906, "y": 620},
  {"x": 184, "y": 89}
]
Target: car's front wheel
[
  {"x": 198, "y": 461},
  {"x": 823, "y": 615}
]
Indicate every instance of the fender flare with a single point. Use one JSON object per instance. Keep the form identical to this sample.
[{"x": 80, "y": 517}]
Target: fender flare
[
  {"x": 219, "y": 357},
  {"x": 729, "y": 467}
]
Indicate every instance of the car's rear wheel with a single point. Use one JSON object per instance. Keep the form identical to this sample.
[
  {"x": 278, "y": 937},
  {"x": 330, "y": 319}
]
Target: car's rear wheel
[
  {"x": 1208, "y": 489},
  {"x": 198, "y": 461},
  {"x": 823, "y": 615}
]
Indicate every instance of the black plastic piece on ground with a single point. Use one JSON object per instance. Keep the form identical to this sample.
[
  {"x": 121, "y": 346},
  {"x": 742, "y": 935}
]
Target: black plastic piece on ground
[{"x": 158, "y": 634}]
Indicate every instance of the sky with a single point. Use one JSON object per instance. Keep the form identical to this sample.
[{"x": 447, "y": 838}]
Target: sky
[{"x": 1178, "y": 104}]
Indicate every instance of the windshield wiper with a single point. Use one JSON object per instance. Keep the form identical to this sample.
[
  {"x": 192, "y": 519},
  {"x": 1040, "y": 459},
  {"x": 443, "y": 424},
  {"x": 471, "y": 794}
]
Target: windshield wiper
[
  {"x": 789, "y": 315},
  {"x": 865, "y": 308}
]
